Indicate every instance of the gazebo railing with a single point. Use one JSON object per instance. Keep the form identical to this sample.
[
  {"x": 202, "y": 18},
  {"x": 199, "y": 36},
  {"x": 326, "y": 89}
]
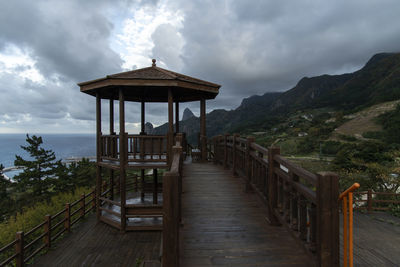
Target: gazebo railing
[
  {"x": 140, "y": 148},
  {"x": 109, "y": 147},
  {"x": 147, "y": 148}
]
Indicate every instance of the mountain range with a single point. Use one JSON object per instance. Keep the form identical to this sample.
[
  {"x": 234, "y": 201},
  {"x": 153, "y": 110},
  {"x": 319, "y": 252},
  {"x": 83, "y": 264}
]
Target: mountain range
[{"x": 378, "y": 81}]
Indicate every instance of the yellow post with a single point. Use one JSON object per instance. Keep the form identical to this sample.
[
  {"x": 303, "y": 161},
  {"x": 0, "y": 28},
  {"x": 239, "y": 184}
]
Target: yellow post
[
  {"x": 351, "y": 229},
  {"x": 345, "y": 261},
  {"x": 348, "y": 224}
]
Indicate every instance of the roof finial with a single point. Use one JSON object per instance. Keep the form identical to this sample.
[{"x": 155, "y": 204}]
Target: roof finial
[{"x": 154, "y": 62}]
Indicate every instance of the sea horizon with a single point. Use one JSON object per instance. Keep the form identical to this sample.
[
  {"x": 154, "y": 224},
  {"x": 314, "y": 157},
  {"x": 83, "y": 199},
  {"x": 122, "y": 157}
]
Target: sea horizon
[{"x": 64, "y": 145}]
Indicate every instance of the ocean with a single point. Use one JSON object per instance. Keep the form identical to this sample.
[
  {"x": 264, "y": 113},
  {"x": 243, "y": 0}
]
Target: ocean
[{"x": 64, "y": 146}]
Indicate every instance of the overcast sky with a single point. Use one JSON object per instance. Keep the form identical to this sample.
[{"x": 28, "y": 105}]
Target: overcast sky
[{"x": 249, "y": 47}]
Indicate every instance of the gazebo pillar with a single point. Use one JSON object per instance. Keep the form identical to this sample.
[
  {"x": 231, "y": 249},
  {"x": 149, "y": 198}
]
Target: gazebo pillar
[
  {"x": 170, "y": 134},
  {"x": 203, "y": 136},
  {"x": 112, "y": 133},
  {"x": 142, "y": 118},
  {"x": 98, "y": 154},
  {"x": 142, "y": 132},
  {"x": 122, "y": 157},
  {"x": 177, "y": 116}
]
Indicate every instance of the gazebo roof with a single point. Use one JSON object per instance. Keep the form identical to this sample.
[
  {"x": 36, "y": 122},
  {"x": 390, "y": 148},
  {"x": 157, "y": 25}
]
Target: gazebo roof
[{"x": 151, "y": 85}]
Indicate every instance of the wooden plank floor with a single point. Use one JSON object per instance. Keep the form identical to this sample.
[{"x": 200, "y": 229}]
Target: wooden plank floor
[
  {"x": 376, "y": 239},
  {"x": 223, "y": 225},
  {"x": 97, "y": 244}
]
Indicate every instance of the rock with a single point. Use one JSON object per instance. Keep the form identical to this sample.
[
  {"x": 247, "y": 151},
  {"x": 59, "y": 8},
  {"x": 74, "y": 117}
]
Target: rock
[{"x": 187, "y": 114}]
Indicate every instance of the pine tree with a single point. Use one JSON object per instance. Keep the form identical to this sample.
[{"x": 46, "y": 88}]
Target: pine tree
[
  {"x": 6, "y": 203},
  {"x": 39, "y": 175}
]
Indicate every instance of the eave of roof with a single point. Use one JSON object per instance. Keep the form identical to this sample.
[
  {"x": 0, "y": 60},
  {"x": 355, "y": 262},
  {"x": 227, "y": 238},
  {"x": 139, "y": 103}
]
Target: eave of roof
[{"x": 130, "y": 75}]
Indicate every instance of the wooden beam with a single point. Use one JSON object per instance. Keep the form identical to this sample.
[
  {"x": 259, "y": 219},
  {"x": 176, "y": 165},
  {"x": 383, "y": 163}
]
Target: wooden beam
[
  {"x": 143, "y": 118},
  {"x": 122, "y": 157},
  {"x": 177, "y": 116},
  {"x": 170, "y": 125},
  {"x": 98, "y": 154},
  {"x": 203, "y": 137}
]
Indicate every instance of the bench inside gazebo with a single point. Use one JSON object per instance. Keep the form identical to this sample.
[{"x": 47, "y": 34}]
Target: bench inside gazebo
[{"x": 120, "y": 156}]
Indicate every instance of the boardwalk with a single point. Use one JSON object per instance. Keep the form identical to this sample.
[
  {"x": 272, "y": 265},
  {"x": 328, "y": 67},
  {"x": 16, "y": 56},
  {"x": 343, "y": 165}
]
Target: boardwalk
[
  {"x": 225, "y": 226},
  {"x": 97, "y": 244},
  {"x": 376, "y": 239},
  {"x": 222, "y": 225}
]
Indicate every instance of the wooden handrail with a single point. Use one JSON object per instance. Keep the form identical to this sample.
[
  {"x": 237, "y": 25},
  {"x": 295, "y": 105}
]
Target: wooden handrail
[
  {"x": 347, "y": 203},
  {"x": 24, "y": 243}
]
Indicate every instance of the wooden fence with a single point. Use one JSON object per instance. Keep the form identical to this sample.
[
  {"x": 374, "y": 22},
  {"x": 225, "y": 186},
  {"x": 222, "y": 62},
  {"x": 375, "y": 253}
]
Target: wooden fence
[
  {"x": 27, "y": 245},
  {"x": 375, "y": 201},
  {"x": 306, "y": 203}
]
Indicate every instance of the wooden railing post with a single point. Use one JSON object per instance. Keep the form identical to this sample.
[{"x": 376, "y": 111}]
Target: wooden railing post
[
  {"x": 47, "y": 231},
  {"x": 83, "y": 206},
  {"x": 294, "y": 214},
  {"x": 250, "y": 140},
  {"x": 303, "y": 218},
  {"x": 327, "y": 219},
  {"x": 226, "y": 151},
  {"x": 272, "y": 182},
  {"x": 234, "y": 154},
  {"x": 67, "y": 223},
  {"x": 94, "y": 197},
  {"x": 369, "y": 200},
  {"x": 19, "y": 249},
  {"x": 170, "y": 255}
]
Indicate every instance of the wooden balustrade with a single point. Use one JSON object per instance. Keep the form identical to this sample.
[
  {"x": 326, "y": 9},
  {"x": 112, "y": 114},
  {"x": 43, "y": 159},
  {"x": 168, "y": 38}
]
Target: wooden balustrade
[
  {"x": 147, "y": 148},
  {"x": 109, "y": 149},
  {"x": 304, "y": 202},
  {"x": 139, "y": 148},
  {"x": 29, "y": 244}
]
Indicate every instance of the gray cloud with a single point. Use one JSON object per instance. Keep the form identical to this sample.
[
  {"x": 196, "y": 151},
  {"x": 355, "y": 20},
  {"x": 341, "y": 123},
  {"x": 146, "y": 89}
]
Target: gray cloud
[
  {"x": 68, "y": 38},
  {"x": 167, "y": 46},
  {"x": 249, "y": 47}
]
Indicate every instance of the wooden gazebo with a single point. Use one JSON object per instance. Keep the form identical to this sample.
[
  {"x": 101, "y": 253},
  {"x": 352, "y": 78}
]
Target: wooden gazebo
[{"x": 119, "y": 152}]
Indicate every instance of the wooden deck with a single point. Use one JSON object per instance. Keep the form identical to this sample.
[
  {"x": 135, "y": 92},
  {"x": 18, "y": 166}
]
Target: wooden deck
[
  {"x": 376, "y": 239},
  {"x": 223, "y": 225},
  {"x": 98, "y": 244}
]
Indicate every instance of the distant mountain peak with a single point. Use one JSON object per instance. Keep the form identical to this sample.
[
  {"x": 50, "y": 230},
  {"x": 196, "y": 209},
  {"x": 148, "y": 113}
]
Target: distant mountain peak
[
  {"x": 187, "y": 114},
  {"x": 149, "y": 128},
  {"x": 375, "y": 59}
]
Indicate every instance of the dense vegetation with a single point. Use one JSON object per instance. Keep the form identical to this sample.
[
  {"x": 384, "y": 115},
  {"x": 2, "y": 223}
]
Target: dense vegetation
[
  {"x": 32, "y": 215},
  {"x": 310, "y": 138},
  {"x": 42, "y": 178}
]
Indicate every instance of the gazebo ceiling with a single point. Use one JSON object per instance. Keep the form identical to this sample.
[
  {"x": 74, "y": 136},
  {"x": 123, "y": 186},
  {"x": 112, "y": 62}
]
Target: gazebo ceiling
[{"x": 151, "y": 85}]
